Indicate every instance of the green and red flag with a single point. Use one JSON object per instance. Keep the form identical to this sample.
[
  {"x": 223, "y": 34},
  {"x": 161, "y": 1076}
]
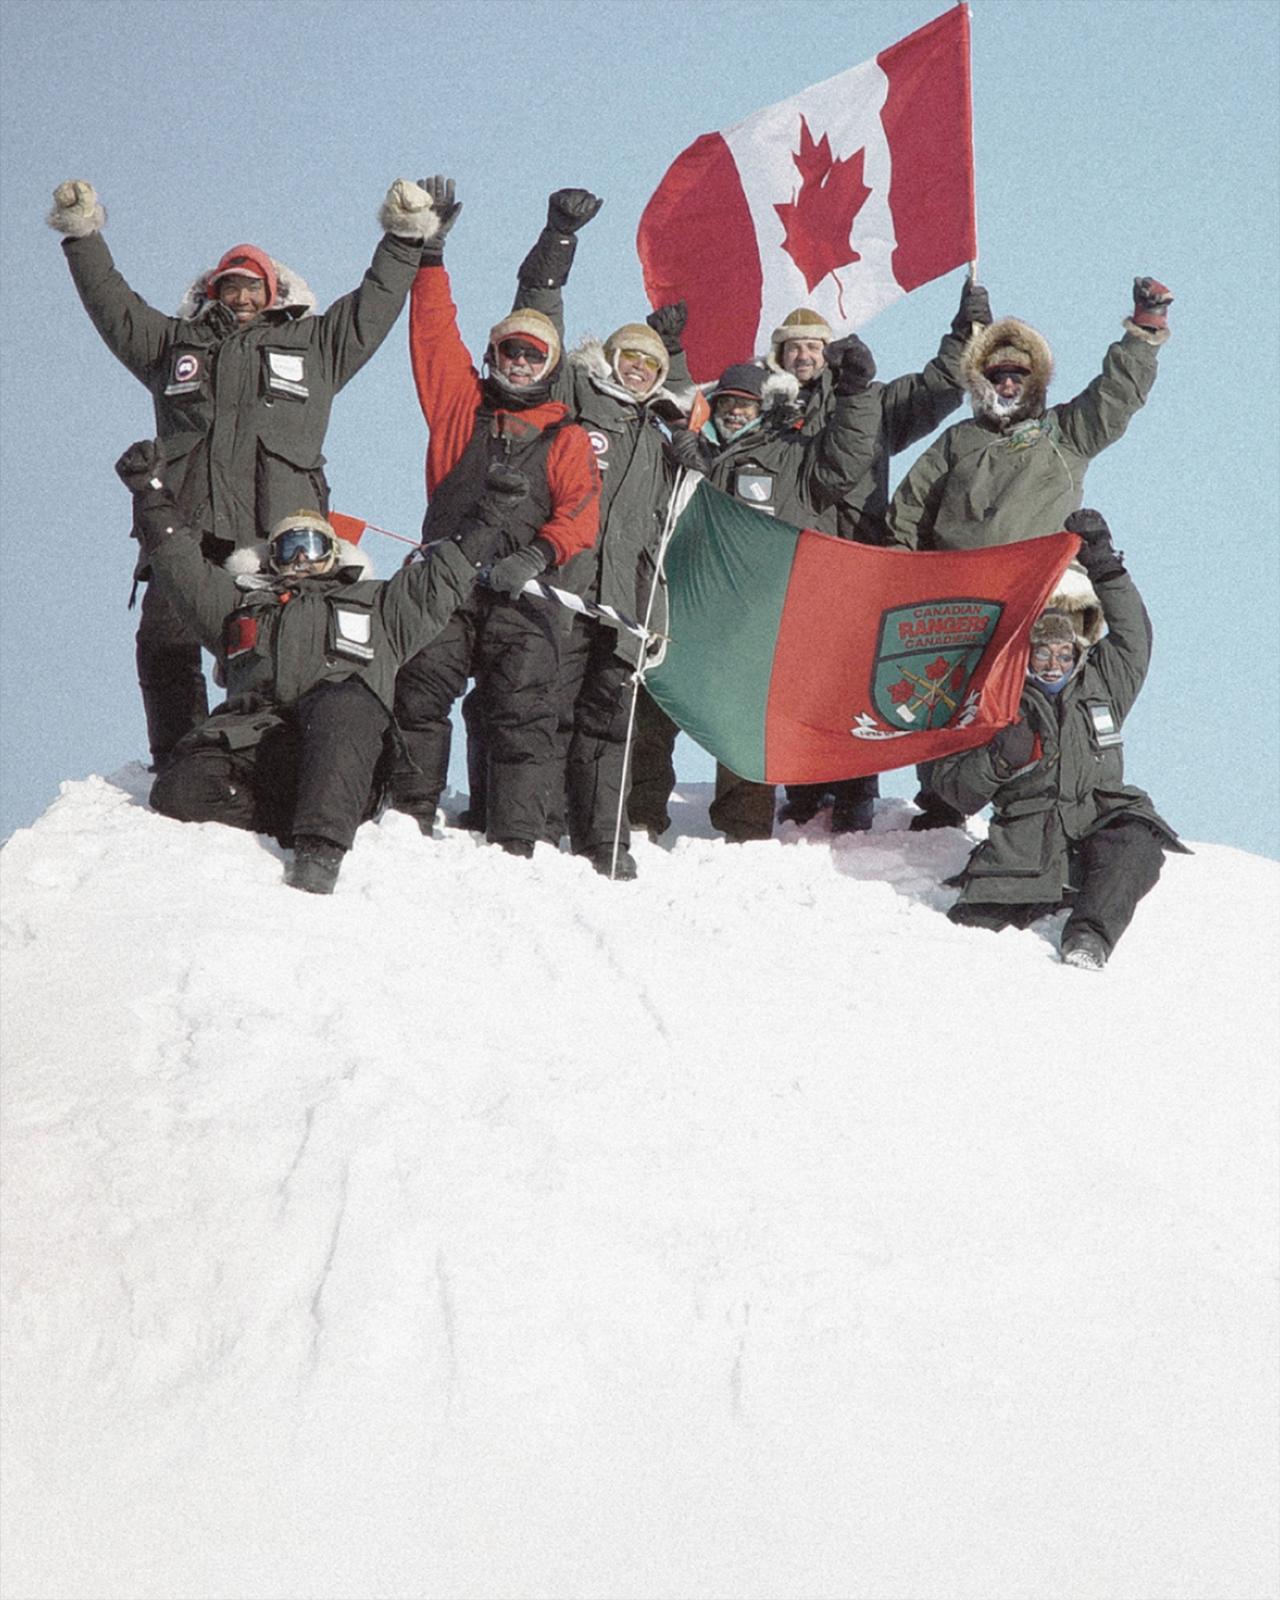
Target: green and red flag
[{"x": 794, "y": 657}]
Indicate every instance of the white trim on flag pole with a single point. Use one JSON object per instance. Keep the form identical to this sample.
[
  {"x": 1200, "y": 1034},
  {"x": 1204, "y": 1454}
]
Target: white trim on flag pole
[{"x": 681, "y": 492}]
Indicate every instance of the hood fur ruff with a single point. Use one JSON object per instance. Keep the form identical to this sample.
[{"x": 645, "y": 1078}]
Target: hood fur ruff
[
  {"x": 781, "y": 392},
  {"x": 1075, "y": 595},
  {"x": 978, "y": 351},
  {"x": 251, "y": 559},
  {"x": 588, "y": 356},
  {"x": 293, "y": 296}
]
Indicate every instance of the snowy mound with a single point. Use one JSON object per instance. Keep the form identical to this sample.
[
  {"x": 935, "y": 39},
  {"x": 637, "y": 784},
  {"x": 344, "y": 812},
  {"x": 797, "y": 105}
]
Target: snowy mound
[{"x": 490, "y": 1230}]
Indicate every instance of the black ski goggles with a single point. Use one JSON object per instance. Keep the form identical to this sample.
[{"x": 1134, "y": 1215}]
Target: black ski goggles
[{"x": 294, "y": 543}]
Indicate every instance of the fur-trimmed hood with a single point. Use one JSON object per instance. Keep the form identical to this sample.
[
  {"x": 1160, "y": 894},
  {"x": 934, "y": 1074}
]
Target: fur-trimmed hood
[
  {"x": 588, "y": 356},
  {"x": 250, "y": 561},
  {"x": 293, "y": 295},
  {"x": 1075, "y": 596},
  {"x": 978, "y": 352}
]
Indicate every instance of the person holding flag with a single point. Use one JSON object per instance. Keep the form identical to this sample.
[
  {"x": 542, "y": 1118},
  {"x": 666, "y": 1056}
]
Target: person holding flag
[
  {"x": 1066, "y": 830},
  {"x": 910, "y": 407},
  {"x": 618, "y": 391},
  {"x": 1016, "y": 468},
  {"x": 755, "y": 449}
]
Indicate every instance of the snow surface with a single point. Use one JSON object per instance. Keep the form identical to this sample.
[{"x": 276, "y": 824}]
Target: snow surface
[{"x": 491, "y": 1230}]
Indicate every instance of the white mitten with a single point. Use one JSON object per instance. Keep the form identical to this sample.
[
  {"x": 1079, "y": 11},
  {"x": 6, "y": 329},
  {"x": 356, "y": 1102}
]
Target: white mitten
[
  {"x": 77, "y": 211},
  {"x": 408, "y": 211}
]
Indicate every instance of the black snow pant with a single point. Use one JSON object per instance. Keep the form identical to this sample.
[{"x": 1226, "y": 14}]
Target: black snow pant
[
  {"x": 595, "y": 705},
  {"x": 314, "y": 772},
  {"x": 174, "y": 697},
  {"x": 842, "y": 789},
  {"x": 1112, "y": 870},
  {"x": 515, "y": 649},
  {"x": 742, "y": 809}
]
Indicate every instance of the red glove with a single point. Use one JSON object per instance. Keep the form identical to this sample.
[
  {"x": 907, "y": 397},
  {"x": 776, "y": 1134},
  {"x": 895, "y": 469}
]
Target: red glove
[{"x": 1151, "y": 302}]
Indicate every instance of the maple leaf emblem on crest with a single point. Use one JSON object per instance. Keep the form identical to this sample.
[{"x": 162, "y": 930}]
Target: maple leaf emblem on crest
[{"x": 819, "y": 220}]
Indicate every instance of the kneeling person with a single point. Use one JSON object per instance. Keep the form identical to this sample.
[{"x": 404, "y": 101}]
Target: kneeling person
[
  {"x": 310, "y": 648},
  {"x": 1066, "y": 830}
]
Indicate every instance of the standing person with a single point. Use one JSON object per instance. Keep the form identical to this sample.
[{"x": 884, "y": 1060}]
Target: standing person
[
  {"x": 242, "y": 380},
  {"x": 1016, "y": 469},
  {"x": 909, "y": 407},
  {"x": 755, "y": 449},
  {"x": 1065, "y": 827},
  {"x": 617, "y": 391},
  {"x": 506, "y": 416},
  {"x": 309, "y": 649}
]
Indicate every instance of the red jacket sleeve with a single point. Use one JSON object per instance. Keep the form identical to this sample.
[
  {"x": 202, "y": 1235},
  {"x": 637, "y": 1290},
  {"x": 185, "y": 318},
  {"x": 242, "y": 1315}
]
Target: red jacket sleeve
[
  {"x": 574, "y": 481},
  {"x": 448, "y": 385}
]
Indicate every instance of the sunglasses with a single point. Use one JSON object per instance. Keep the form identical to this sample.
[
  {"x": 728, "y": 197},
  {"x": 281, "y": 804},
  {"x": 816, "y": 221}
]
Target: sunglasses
[
  {"x": 515, "y": 350},
  {"x": 641, "y": 358},
  {"x": 295, "y": 543}
]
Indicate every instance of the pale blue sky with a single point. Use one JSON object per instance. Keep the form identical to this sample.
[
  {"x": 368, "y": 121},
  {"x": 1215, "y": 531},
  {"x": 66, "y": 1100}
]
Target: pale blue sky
[{"x": 1112, "y": 139}]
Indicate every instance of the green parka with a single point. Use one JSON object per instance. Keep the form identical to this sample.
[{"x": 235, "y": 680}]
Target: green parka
[
  {"x": 798, "y": 476},
  {"x": 903, "y": 411},
  {"x": 1077, "y": 784},
  {"x": 980, "y": 484},
  {"x": 241, "y": 417},
  {"x": 277, "y": 637}
]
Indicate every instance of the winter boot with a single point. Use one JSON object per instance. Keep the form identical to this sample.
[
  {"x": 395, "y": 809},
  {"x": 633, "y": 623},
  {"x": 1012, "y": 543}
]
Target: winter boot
[
  {"x": 602, "y": 860},
  {"x": 315, "y": 865},
  {"x": 803, "y": 803},
  {"x": 936, "y": 814},
  {"x": 516, "y": 847},
  {"x": 1085, "y": 950},
  {"x": 852, "y": 816}
]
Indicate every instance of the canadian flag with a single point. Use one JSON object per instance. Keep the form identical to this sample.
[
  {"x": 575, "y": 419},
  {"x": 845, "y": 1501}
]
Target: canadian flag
[{"x": 842, "y": 199}]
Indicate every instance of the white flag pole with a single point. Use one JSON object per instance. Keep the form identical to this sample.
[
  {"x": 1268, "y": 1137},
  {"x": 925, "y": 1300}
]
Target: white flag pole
[
  {"x": 681, "y": 491},
  {"x": 973, "y": 165}
]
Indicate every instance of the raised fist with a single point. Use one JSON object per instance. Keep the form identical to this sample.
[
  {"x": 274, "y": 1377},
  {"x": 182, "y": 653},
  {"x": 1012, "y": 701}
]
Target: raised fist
[
  {"x": 668, "y": 323},
  {"x": 571, "y": 209},
  {"x": 852, "y": 362},
  {"x": 1151, "y": 302},
  {"x": 77, "y": 210},
  {"x": 141, "y": 467}
]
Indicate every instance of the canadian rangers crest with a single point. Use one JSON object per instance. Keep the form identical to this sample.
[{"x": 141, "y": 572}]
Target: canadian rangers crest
[{"x": 925, "y": 656}]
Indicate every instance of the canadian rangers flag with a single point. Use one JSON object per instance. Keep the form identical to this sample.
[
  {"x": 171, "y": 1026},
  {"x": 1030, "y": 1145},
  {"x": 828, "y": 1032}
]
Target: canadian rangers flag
[
  {"x": 843, "y": 199},
  {"x": 794, "y": 657}
]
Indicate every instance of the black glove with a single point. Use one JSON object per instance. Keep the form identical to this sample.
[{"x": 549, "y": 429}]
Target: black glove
[
  {"x": 853, "y": 364},
  {"x": 548, "y": 264},
  {"x": 510, "y": 575},
  {"x": 141, "y": 468},
  {"x": 571, "y": 209},
  {"x": 975, "y": 306},
  {"x": 220, "y": 318},
  {"x": 668, "y": 323},
  {"x": 688, "y": 450},
  {"x": 1151, "y": 302},
  {"x": 446, "y": 208},
  {"x": 504, "y": 489},
  {"x": 1013, "y": 747},
  {"x": 1097, "y": 555}
]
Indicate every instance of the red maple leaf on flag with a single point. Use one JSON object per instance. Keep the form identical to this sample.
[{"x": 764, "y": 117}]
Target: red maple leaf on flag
[
  {"x": 901, "y": 692},
  {"x": 937, "y": 669},
  {"x": 819, "y": 220}
]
